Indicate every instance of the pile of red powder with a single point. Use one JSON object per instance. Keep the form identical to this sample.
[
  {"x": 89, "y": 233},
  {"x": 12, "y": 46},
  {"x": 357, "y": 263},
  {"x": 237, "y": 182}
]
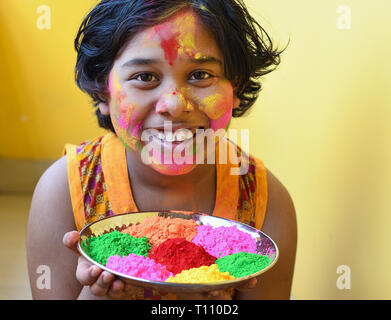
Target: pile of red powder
[{"x": 179, "y": 254}]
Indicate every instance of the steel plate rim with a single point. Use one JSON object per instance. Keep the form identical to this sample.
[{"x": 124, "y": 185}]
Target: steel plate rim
[{"x": 181, "y": 286}]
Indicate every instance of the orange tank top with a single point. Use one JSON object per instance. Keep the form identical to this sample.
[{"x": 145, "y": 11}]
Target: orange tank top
[{"x": 99, "y": 187}]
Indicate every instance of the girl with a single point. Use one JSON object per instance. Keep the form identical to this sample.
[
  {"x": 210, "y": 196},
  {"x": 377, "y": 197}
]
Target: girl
[{"x": 149, "y": 65}]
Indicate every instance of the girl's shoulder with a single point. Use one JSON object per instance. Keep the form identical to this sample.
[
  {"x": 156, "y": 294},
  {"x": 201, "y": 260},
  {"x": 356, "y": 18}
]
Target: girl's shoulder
[
  {"x": 52, "y": 189},
  {"x": 280, "y": 212}
]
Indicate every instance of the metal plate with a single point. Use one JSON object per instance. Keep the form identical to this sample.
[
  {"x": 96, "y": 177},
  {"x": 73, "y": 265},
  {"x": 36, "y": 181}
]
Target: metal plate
[{"x": 265, "y": 246}]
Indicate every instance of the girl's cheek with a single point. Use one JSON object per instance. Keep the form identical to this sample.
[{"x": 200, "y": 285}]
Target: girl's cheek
[
  {"x": 124, "y": 115},
  {"x": 125, "y": 122},
  {"x": 126, "y": 125},
  {"x": 123, "y": 112},
  {"x": 218, "y": 108}
]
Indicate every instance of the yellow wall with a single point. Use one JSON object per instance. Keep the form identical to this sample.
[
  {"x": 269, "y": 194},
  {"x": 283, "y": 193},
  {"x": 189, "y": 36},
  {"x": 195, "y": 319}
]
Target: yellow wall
[
  {"x": 321, "y": 124},
  {"x": 41, "y": 106}
]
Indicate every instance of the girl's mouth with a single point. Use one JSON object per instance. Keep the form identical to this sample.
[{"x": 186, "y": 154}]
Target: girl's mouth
[{"x": 181, "y": 135}]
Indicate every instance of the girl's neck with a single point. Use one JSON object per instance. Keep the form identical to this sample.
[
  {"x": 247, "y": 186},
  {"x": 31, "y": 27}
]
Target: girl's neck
[{"x": 151, "y": 179}]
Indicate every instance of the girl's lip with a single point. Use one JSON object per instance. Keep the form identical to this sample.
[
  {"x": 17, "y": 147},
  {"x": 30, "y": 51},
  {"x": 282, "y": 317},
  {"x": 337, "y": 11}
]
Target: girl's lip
[
  {"x": 178, "y": 125},
  {"x": 175, "y": 127}
]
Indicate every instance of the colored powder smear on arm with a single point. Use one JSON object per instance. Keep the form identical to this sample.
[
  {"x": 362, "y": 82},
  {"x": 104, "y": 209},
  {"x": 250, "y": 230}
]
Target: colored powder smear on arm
[
  {"x": 242, "y": 264},
  {"x": 222, "y": 241},
  {"x": 180, "y": 254},
  {"x": 201, "y": 275},
  {"x": 100, "y": 248},
  {"x": 138, "y": 266},
  {"x": 159, "y": 229}
]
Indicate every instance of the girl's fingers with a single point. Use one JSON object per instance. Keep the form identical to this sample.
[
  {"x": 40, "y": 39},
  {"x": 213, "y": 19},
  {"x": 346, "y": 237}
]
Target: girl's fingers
[
  {"x": 86, "y": 273},
  {"x": 121, "y": 290},
  {"x": 100, "y": 287},
  {"x": 116, "y": 290},
  {"x": 212, "y": 295},
  {"x": 219, "y": 295},
  {"x": 70, "y": 240},
  {"x": 248, "y": 285}
]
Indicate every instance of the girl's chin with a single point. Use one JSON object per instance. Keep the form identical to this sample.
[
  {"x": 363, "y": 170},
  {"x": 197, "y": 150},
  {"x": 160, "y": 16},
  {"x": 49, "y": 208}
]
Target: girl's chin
[{"x": 173, "y": 169}]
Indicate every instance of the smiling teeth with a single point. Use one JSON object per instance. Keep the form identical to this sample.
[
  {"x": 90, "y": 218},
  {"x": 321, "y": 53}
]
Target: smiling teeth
[{"x": 179, "y": 136}]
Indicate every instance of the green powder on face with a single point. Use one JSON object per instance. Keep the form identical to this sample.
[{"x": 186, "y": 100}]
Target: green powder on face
[
  {"x": 242, "y": 264},
  {"x": 115, "y": 243}
]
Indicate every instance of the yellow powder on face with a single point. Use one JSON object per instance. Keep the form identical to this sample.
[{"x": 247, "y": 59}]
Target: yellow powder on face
[
  {"x": 115, "y": 82},
  {"x": 213, "y": 106},
  {"x": 198, "y": 55},
  {"x": 159, "y": 229},
  {"x": 201, "y": 275},
  {"x": 186, "y": 43}
]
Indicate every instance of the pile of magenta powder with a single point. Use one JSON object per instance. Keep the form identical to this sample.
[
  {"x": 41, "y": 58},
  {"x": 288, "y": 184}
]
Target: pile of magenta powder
[{"x": 177, "y": 250}]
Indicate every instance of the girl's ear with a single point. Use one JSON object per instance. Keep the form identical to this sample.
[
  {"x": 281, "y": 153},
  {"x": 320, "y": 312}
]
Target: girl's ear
[
  {"x": 104, "y": 108},
  {"x": 235, "y": 95},
  {"x": 236, "y": 102}
]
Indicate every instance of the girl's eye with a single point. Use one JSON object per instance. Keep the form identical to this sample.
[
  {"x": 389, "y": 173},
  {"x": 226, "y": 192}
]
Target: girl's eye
[
  {"x": 145, "y": 77},
  {"x": 200, "y": 75}
]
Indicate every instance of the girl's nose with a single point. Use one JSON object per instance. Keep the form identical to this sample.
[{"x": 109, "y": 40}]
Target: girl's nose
[{"x": 173, "y": 103}]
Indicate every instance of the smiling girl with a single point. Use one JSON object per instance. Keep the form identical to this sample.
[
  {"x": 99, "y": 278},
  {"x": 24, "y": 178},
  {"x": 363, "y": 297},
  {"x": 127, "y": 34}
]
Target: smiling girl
[{"x": 186, "y": 65}]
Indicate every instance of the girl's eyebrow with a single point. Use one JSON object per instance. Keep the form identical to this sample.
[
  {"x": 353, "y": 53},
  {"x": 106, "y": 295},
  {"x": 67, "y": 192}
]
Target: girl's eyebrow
[
  {"x": 145, "y": 61},
  {"x": 206, "y": 59},
  {"x": 139, "y": 62}
]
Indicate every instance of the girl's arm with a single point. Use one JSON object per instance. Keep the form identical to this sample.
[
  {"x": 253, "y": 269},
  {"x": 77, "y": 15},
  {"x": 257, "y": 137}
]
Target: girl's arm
[
  {"x": 55, "y": 271},
  {"x": 51, "y": 265},
  {"x": 280, "y": 225}
]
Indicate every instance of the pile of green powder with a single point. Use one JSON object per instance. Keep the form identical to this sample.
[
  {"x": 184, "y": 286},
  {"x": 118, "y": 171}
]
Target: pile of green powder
[
  {"x": 242, "y": 264},
  {"x": 115, "y": 243}
]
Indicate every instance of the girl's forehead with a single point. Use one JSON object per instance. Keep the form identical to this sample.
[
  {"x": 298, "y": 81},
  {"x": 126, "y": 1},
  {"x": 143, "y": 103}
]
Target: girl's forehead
[
  {"x": 182, "y": 33},
  {"x": 181, "y": 24}
]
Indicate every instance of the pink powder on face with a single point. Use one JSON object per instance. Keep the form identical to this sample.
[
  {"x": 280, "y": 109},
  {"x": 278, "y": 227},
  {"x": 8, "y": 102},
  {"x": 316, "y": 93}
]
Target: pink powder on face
[
  {"x": 223, "y": 241},
  {"x": 138, "y": 266},
  {"x": 223, "y": 121}
]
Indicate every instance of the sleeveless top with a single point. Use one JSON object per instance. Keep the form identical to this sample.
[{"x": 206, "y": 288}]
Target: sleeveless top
[{"x": 99, "y": 187}]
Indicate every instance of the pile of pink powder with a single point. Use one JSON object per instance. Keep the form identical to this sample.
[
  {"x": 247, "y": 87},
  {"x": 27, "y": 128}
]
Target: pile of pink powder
[
  {"x": 138, "y": 266},
  {"x": 214, "y": 240}
]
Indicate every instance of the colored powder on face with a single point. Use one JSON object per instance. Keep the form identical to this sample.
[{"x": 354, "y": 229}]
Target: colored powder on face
[
  {"x": 168, "y": 42},
  {"x": 222, "y": 241},
  {"x": 223, "y": 121},
  {"x": 124, "y": 119},
  {"x": 213, "y": 107},
  {"x": 138, "y": 266},
  {"x": 180, "y": 254},
  {"x": 229, "y": 123},
  {"x": 115, "y": 243},
  {"x": 201, "y": 275},
  {"x": 159, "y": 229},
  {"x": 114, "y": 84},
  {"x": 242, "y": 264}
]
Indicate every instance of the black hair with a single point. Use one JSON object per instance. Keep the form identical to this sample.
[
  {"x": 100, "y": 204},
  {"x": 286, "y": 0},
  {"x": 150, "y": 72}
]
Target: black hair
[{"x": 247, "y": 49}]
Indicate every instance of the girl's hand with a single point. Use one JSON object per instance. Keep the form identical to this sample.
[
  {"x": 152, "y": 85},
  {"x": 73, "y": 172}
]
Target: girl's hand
[
  {"x": 101, "y": 283},
  {"x": 212, "y": 295}
]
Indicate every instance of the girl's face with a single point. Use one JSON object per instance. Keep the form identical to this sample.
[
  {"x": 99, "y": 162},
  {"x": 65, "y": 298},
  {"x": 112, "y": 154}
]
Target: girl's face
[{"x": 169, "y": 72}]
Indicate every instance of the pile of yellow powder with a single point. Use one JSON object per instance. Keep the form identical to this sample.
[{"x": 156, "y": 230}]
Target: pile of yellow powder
[{"x": 201, "y": 275}]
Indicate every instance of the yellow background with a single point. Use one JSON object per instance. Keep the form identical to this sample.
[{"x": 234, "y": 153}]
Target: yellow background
[{"x": 320, "y": 124}]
